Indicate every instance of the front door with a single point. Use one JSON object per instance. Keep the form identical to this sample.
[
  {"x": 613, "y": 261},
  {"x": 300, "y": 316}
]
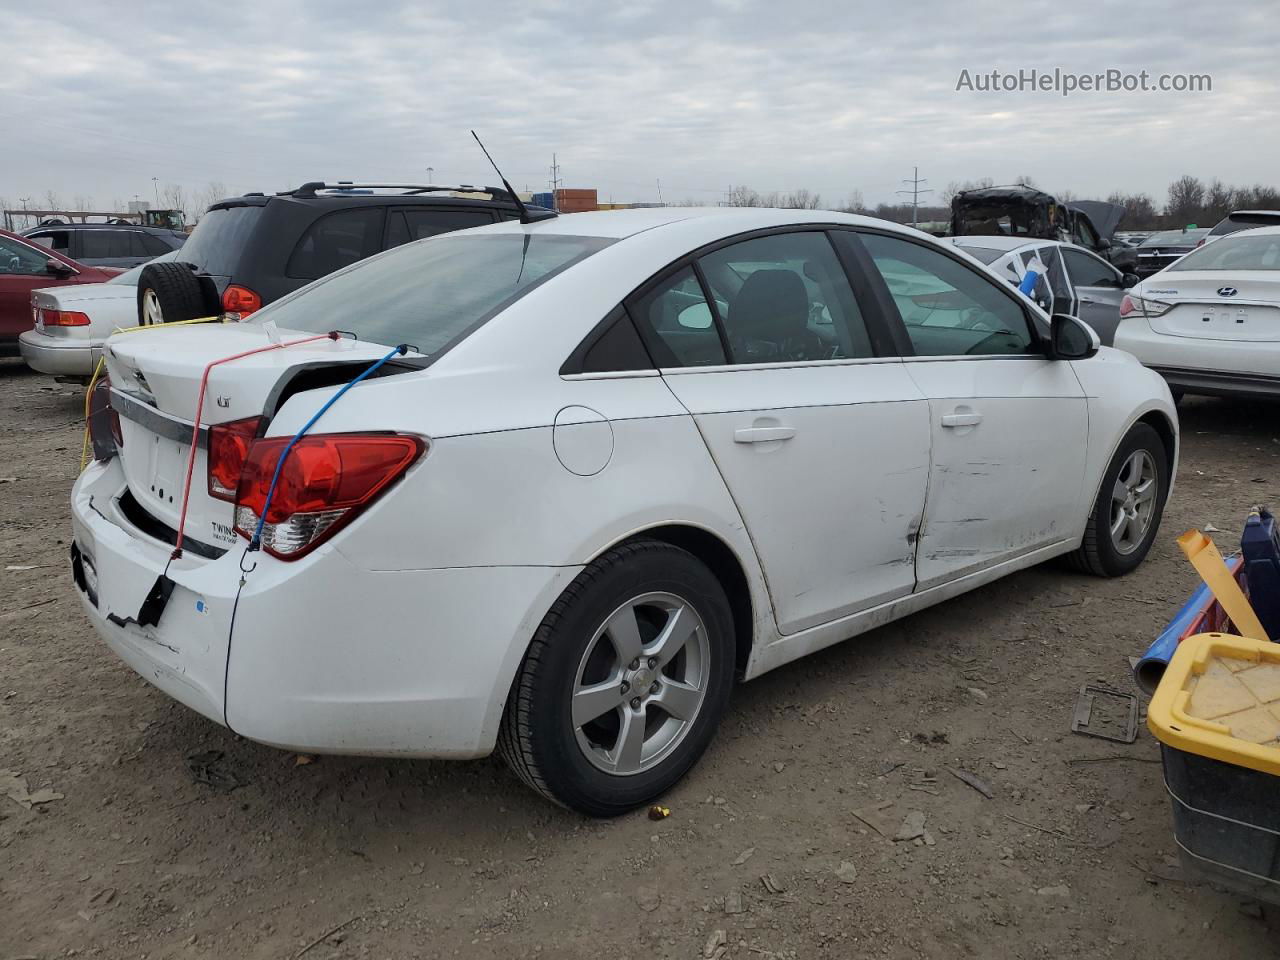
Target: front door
[
  {"x": 1099, "y": 289},
  {"x": 1009, "y": 427},
  {"x": 823, "y": 445},
  {"x": 23, "y": 268}
]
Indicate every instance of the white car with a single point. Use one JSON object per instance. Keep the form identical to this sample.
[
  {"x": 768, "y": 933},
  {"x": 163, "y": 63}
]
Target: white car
[
  {"x": 73, "y": 351},
  {"x": 623, "y": 459},
  {"x": 1078, "y": 282},
  {"x": 1210, "y": 322}
]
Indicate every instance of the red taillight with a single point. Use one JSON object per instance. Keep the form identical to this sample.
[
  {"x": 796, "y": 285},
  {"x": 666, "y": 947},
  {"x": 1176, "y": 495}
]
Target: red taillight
[
  {"x": 63, "y": 318},
  {"x": 1127, "y": 306},
  {"x": 229, "y": 445},
  {"x": 104, "y": 422},
  {"x": 1200, "y": 242},
  {"x": 324, "y": 483},
  {"x": 241, "y": 300}
]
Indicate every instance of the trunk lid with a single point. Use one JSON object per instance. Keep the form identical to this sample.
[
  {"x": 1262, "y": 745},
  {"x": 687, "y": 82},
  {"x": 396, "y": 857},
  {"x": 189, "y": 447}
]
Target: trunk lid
[
  {"x": 155, "y": 379},
  {"x": 1202, "y": 309}
]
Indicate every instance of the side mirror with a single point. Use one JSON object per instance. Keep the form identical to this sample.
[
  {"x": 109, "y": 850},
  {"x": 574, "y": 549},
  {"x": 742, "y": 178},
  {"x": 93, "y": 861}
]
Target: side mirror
[
  {"x": 1129, "y": 280},
  {"x": 1070, "y": 338},
  {"x": 57, "y": 267}
]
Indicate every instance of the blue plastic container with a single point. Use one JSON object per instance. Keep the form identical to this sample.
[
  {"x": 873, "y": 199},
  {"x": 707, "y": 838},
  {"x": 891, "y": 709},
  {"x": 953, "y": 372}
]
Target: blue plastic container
[{"x": 1261, "y": 548}]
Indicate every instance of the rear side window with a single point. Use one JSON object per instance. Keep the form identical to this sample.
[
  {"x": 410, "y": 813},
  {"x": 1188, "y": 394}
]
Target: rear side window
[
  {"x": 219, "y": 238},
  {"x": 404, "y": 226},
  {"x": 617, "y": 349},
  {"x": 678, "y": 324},
  {"x": 152, "y": 246},
  {"x": 785, "y": 297},
  {"x": 335, "y": 241},
  {"x": 106, "y": 244},
  {"x": 949, "y": 309}
]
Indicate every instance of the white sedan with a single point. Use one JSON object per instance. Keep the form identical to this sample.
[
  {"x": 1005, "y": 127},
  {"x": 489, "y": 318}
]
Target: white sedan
[
  {"x": 72, "y": 350},
  {"x": 618, "y": 461},
  {"x": 1210, "y": 322}
]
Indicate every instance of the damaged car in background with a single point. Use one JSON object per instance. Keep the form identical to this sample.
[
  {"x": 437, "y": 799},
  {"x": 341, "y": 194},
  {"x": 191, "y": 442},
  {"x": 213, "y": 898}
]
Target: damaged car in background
[
  {"x": 1018, "y": 211},
  {"x": 552, "y": 486}
]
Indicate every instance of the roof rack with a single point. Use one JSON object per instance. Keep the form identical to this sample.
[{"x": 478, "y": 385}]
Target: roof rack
[{"x": 314, "y": 187}]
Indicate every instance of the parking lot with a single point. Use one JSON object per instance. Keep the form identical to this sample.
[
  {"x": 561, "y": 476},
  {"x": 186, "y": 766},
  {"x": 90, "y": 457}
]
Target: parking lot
[{"x": 172, "y": 837}]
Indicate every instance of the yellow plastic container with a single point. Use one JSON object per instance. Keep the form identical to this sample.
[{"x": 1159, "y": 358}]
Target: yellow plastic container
[
  {"x": 1220, "y": 698},
  {"x": 1216, "y": 714}
]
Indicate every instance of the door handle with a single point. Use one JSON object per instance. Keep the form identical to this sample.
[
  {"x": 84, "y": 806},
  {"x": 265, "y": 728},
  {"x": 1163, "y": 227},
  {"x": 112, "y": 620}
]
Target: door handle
[
  {"x": 1088, "y": 300},
  {"x": 961, "y": 419},
  {"x": 762, "y": 434}
]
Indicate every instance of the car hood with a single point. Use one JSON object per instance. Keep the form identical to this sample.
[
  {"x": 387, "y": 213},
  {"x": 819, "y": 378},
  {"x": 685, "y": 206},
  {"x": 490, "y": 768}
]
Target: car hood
[{"x": 1104, "y": 216}]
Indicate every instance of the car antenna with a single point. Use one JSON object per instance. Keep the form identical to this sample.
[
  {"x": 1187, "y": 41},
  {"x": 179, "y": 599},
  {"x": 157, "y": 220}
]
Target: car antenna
[{"x": 525, "y": 216}]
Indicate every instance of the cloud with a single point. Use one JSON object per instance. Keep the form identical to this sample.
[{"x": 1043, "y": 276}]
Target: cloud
[{"x": 266, "y": 95}]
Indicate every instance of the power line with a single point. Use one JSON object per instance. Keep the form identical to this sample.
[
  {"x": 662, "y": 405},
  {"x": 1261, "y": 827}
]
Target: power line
[{"x": 915, "y": 191}]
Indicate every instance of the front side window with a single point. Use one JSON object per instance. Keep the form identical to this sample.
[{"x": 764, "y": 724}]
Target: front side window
[
  {"x": 335, "y": 241},
  {"x": 431, "y": 295},
  {"x": 948, "y": 308},
  {"x": 59, "y": 240},
  {"x": 1088, "y": 271},
  {"x": 21, "y": 259},
  {"x": 784, "y": 298}
]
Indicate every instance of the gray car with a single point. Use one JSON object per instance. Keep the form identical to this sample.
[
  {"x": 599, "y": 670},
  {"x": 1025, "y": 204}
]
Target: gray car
[
  {"x": 107, "y": 244},
  {"x": 1079, "y": 282}
]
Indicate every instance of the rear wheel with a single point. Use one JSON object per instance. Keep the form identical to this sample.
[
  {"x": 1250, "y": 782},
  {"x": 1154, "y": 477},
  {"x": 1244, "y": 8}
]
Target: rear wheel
[
  {"x": 169, "y": 292},
  {"x": 625, "y": 682},
  {"x": 1130, "y": 504}
]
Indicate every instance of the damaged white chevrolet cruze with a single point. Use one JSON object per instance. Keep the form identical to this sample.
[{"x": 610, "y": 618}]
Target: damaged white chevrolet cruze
[{"x": 554, "y": 486}]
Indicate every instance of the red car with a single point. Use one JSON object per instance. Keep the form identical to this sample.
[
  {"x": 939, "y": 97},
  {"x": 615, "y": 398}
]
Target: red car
[{"x": 27, "y": 266}]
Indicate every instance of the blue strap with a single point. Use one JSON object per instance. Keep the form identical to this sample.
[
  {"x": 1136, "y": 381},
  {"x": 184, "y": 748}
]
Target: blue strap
[{"x": 256, "y": 542}]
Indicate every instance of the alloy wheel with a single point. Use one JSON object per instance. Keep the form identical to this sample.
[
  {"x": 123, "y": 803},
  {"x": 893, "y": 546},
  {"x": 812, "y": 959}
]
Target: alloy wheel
[
  {"x": 1133, "y": 501},
  {"x": 151, "y": 312},
  {"x": 641, "y": 683}
]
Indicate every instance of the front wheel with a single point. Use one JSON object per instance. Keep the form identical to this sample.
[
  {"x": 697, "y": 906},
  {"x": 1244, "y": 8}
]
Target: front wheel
[
  {"x": 625, "y": 682},
  {"x": 1130, "y": 504}
]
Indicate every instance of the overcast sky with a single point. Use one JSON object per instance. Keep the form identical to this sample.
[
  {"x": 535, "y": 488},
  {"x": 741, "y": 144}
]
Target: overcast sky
[{"x": 96, "y": 99}]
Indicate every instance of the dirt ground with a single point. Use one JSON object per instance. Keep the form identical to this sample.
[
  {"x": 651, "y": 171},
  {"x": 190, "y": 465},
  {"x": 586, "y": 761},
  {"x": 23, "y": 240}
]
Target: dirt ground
[{"x": 1072, "y": 856}]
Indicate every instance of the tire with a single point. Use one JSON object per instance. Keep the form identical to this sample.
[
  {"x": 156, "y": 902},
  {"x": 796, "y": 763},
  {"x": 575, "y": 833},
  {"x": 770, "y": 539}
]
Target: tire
[
  {"x": 581, "y": 762},
  {"x": 169, "y": 292},
  {"x": 1103, "y": 553}
]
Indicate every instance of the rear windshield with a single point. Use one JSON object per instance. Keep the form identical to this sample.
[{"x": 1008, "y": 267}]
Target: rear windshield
[
  {"x": 218, "y": 239},
  {"x": 1241, "y": 251},
  {"x": 432, "y": 293},
  {"x": 1244, "y": 221}
]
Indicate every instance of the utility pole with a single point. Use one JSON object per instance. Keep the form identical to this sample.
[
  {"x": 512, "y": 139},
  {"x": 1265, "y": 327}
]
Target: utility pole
[
  {"x": 555, "y": 180},
  {"x": 155, "y": 182},
  {"x": 659, "y": 183},
  {"x": 431, "y": 172},
  {"x": 915, "y": 192}
]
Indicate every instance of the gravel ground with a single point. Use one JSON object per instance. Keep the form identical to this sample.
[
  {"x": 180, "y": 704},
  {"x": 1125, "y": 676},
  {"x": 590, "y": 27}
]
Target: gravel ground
[{"x": 764, "y": 854}]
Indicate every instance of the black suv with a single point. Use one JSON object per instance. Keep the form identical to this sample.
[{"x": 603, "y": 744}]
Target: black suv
[
  {"x": 248, "y": 251},
  {"x": 107, "y": 244}
]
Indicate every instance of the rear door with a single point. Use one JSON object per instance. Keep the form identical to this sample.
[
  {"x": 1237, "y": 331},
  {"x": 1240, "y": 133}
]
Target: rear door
[
  {"x": 1008, "y": 426},
  {"x": 1099, "y": 288},
  {"x": 109, "y": 247},
  {"x": 820, "y": 435}
]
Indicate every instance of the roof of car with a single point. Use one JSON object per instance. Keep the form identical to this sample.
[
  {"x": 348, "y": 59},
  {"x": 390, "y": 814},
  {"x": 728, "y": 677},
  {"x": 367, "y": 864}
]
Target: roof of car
[
  {"x": 99, "y": 226},
  {"x": 1009, "y": 244},
  {"x": 618, "y": 224}
]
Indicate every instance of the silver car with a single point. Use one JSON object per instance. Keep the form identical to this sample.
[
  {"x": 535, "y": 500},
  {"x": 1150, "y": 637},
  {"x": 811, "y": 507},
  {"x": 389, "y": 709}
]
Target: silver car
[{"x": 1079, "y": 282}]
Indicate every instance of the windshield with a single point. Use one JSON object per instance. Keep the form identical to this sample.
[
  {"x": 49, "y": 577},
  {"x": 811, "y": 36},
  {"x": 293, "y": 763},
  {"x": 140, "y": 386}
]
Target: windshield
[
  {"x": 1173, "y": 238},
  {"x": 1239, "y": 251},
  {"x": 432, "y": 293},
  {"x": 985, "y": 254},
  {"x": 130, "y": 277}
]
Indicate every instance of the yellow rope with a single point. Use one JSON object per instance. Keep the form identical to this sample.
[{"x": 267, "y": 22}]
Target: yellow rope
[{"x": 97, "y": 370}]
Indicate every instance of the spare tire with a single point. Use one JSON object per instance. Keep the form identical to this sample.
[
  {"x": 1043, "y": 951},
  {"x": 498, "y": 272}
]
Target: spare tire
[{"x": 170, "y": 291}]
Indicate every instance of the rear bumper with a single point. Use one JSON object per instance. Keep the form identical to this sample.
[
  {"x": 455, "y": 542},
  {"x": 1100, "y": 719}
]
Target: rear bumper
[
  {"x": 1244, "y": 368},
  {"x": 317, "y": 655},
  {"x": 57, "y": 357}
]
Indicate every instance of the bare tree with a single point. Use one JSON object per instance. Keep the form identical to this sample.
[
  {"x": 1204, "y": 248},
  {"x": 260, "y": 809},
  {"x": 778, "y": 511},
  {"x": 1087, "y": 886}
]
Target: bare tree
[
  {"x": 82, "y": 201},
  {"x": 1024, "y": 180},
  {"x": 801, "y": 199},
  {"x": 744, "y": 197},
  {"x": 956, "y": 186},
  {"x": 854, "y": 203},
  {"x": 174, "y": 197},
  {"x": 1186, "y": 198},
  {"x": 1139, "y": 210},
  {"x": 213, "y": 191},
  {"x": 52, "y": 201}
]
